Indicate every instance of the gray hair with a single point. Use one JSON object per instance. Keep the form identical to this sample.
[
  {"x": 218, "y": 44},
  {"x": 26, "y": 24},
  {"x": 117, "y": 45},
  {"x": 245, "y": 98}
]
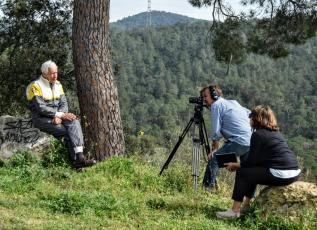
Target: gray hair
[{"x": 46, "y": 65}]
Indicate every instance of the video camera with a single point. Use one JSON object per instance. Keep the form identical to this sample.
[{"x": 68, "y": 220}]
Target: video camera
[{"x": 198, "y": 101}]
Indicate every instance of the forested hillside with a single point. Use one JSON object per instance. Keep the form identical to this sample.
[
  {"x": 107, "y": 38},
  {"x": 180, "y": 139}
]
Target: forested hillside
[
  {"x": 158, "y": 69},
  {"x": 158, "y": 18}
]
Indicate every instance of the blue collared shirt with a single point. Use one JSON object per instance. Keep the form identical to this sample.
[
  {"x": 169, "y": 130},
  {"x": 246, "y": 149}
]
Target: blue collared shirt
[{"x": 231, "y": 121}]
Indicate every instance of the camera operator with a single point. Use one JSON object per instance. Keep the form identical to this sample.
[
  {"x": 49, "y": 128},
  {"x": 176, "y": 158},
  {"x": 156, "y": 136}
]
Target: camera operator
[{"x": 229, "y": 120}]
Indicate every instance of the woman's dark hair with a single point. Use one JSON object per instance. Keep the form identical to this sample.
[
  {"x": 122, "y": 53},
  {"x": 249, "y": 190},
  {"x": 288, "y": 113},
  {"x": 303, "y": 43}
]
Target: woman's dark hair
[{"x": 262, "y": 117}]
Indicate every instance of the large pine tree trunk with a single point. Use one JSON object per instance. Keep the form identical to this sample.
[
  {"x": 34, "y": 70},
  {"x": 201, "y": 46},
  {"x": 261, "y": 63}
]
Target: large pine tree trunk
[{"x": 97, "y": 91}]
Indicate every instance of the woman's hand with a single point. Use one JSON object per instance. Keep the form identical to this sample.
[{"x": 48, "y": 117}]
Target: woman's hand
[{"x": 232, "y": 166}]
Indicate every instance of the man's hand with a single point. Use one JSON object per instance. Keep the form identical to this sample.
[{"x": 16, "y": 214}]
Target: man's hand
[
  {"x": 215, "y": 145},
  {"x": 69, "y": 117},
  {"x": 232, "y": 166},
  {"x": 57, "y": 120},
  {"x": 211, "y": 154}
]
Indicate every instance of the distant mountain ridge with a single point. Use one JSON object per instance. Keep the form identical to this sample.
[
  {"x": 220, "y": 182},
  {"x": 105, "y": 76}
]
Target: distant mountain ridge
[{"x": 158, "y": 18}]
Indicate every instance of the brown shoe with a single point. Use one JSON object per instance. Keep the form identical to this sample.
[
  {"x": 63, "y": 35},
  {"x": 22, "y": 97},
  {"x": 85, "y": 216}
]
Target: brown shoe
[
  {"x": 90, "y": 162},
  {"x": 82, "y": 162}
]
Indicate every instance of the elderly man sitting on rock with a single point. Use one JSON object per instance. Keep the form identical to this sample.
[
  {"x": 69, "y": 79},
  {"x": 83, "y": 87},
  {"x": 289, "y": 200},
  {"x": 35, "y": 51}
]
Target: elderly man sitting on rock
[{"x": 49, "y": 108}]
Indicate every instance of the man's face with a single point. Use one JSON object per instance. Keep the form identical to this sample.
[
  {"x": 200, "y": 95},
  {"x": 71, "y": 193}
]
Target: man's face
[
  {"x": 207, "y": 97},
  {"x": 51, "y": 75}
]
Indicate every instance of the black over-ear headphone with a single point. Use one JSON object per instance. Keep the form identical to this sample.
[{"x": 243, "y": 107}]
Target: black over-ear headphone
[{"x": 213, "y": 93}]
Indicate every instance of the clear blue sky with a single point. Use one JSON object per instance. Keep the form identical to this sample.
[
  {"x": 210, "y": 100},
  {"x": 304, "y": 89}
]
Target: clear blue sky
[{"x": 124, "y": 8}]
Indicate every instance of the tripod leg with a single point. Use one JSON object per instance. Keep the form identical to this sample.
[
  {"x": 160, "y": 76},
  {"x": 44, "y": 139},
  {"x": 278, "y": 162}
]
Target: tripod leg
[
  {"x": 204, "y": 136},
  {"x": 195, "y": 162},
  {"x": 170, "y": 157}
]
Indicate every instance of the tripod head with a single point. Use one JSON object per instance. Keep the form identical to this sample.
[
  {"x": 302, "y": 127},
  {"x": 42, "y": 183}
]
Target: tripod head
[{"x": 199, "y": 106}]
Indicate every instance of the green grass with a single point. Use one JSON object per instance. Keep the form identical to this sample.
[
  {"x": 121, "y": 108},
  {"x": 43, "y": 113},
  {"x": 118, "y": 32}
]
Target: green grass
[{"x": 120, "y": 193}]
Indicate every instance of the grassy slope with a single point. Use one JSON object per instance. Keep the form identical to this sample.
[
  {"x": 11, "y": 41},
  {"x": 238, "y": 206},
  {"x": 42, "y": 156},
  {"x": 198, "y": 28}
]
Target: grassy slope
[{"x": 121, "y": 193}]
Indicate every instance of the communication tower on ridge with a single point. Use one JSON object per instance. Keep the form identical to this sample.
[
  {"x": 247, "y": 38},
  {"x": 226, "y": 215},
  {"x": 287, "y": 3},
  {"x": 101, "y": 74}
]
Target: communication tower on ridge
[{"x": 149, "y": 19}]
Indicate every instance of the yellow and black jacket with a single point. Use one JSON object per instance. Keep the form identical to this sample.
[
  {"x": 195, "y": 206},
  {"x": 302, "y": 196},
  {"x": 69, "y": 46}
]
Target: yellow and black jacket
[{"x": 46, "y": 99}]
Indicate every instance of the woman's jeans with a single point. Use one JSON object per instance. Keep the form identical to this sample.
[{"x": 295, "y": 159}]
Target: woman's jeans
[{"x": 210, "y": 177}]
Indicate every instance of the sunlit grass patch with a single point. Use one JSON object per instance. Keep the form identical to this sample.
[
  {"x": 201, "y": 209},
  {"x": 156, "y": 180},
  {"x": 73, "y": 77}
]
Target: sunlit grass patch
[{"x": 119, "y": 193}]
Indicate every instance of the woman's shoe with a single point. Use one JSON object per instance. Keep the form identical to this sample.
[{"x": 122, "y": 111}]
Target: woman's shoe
[{"x": 229, "y": 214}]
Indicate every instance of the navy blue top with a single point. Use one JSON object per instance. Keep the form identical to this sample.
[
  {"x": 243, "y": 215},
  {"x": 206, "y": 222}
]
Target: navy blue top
[{"x": 269, "y": 149}]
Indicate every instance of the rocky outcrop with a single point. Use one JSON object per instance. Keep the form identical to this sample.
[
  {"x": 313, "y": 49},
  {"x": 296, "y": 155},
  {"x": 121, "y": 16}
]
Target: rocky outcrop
[
  {"x": 18, "y": 133},
  {"x": 292, "y": 201}
]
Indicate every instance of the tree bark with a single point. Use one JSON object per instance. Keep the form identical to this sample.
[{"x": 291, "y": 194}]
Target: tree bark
[{"x": 96, "y": 88}]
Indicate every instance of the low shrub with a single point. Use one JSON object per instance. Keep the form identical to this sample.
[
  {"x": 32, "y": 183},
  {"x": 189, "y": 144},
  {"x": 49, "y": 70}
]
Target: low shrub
[
  {"x": 21, "y": 159},
  {"x": 56, "y": 155}
]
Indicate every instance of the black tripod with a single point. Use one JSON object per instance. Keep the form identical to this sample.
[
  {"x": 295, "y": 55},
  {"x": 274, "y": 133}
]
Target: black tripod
[{"x": 198, "y": 140}]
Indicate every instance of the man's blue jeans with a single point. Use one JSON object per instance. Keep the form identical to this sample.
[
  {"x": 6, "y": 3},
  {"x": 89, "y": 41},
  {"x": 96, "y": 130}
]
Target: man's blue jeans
[{"x": 210, "y": 177}]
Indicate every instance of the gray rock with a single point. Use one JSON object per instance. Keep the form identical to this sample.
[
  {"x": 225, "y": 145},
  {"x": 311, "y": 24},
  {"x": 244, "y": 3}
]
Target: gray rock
[{"x": 19, "y": 133}]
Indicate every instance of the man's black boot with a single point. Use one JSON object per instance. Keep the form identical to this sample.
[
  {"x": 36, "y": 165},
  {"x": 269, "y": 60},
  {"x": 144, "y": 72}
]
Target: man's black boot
[{"x": 81, "y": 161}]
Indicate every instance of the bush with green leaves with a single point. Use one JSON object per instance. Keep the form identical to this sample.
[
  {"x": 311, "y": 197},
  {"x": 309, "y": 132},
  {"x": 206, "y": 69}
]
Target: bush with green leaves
[
  {"x": 22, "y": 159},
  {"x": 256, "y": 218},
  {"x": 56, "y": 155},
  {"x": 141, "y": 144}
]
